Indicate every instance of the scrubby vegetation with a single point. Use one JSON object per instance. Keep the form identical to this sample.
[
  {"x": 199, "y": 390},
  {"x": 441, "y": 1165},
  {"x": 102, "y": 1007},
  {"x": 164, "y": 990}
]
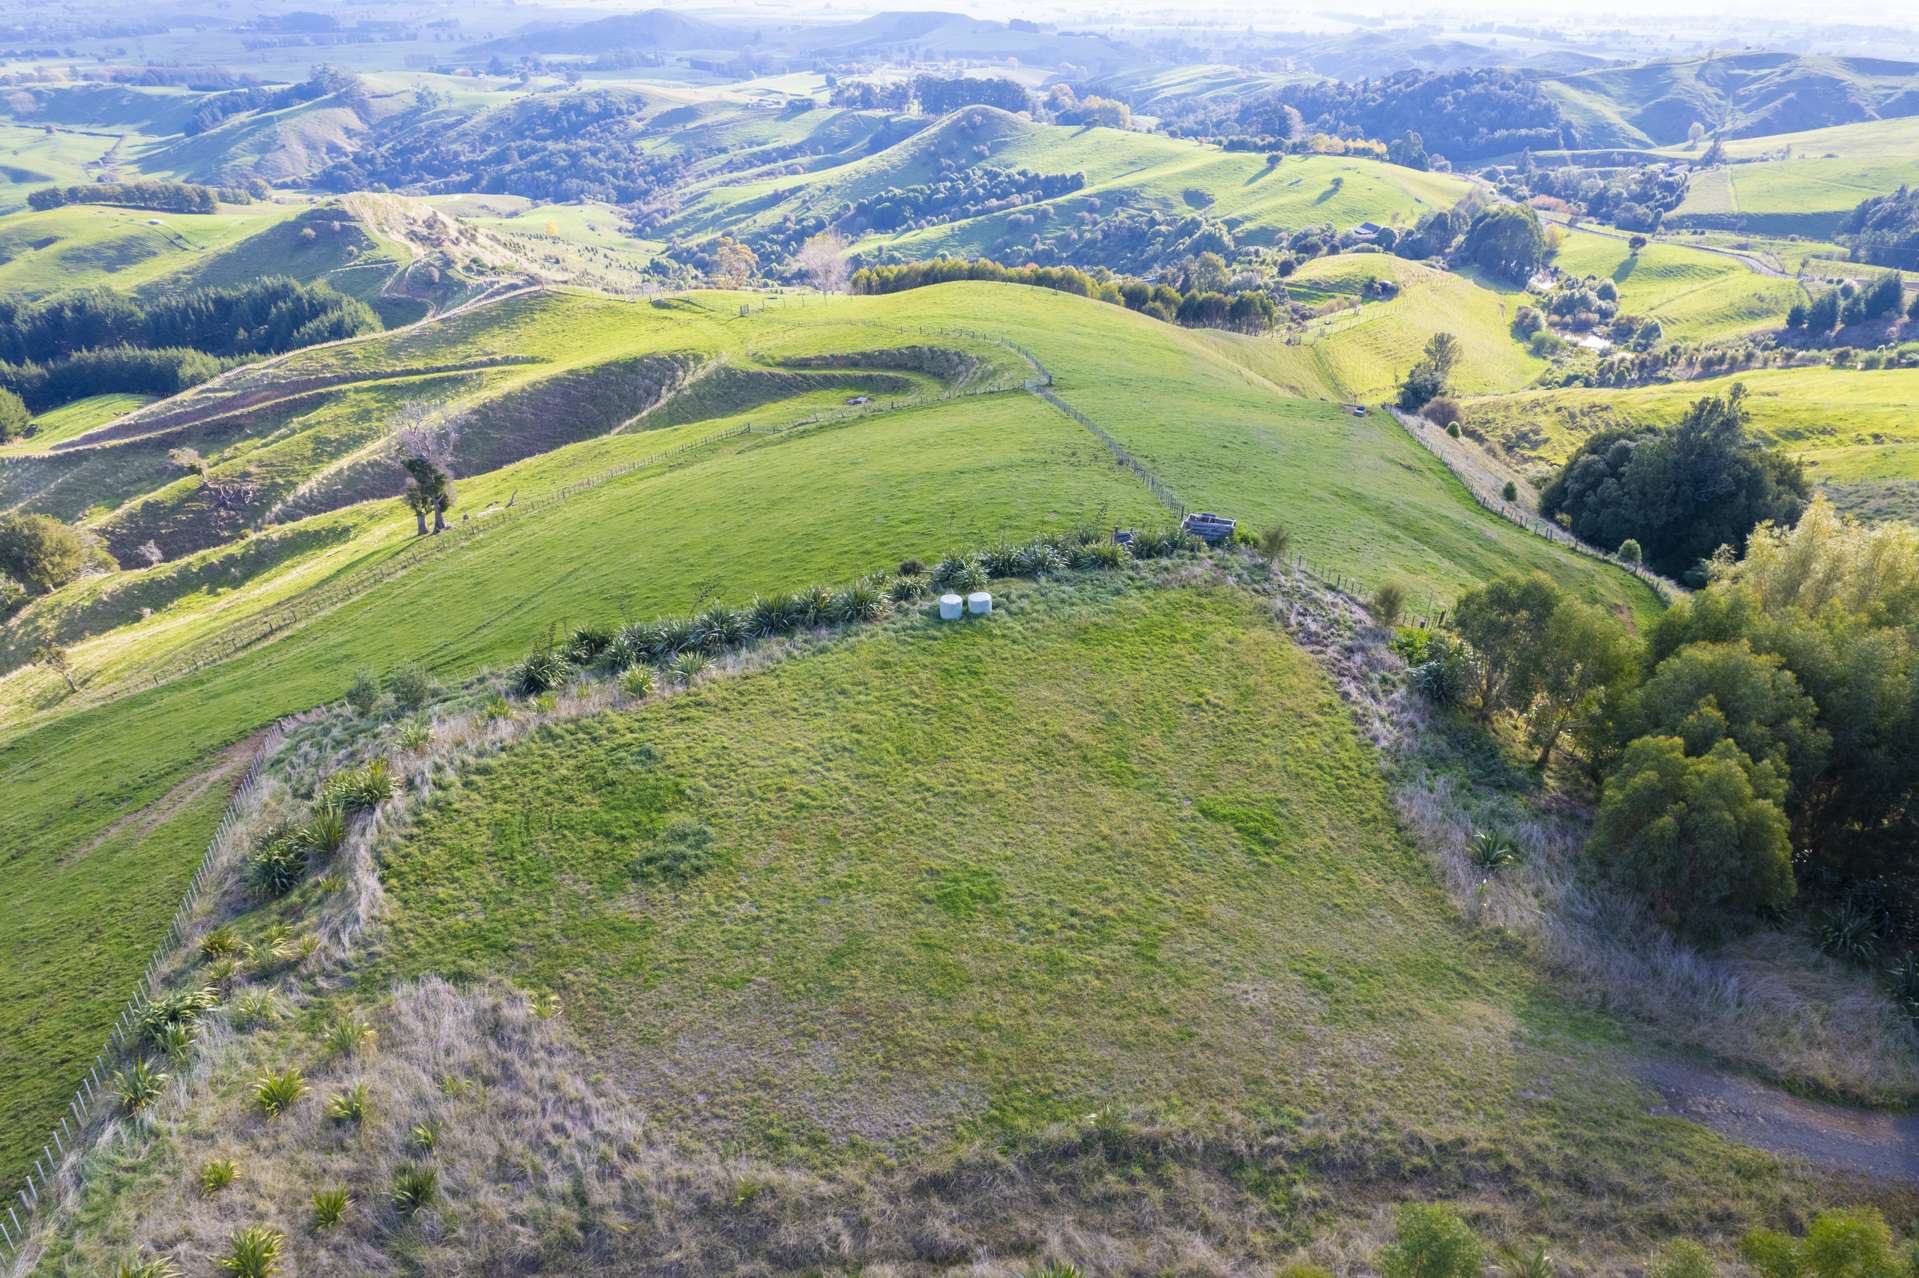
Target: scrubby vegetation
[{"x": 1680, "y": 493}]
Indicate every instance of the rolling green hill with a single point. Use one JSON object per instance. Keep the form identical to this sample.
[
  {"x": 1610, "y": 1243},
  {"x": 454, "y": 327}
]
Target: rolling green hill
[
  {"x": 1854, "y": 429},
  {"x": 1361, "y": 497},
  {"x": 1124, "y": 170},
  {"x": 1696, "y": 296},
  {"x": 1802, "y": 183},
  {"x": 1743, "y": 95}
]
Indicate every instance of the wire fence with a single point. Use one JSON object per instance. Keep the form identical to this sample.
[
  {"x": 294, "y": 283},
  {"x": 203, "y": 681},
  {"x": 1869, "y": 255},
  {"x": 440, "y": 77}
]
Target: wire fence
[
  {"x": 92, "y": 1102},
  {"x": 1489, "y": 491}
]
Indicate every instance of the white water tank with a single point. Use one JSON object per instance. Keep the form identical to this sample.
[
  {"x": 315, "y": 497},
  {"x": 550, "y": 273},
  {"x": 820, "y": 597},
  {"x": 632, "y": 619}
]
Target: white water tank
[
  {"x": 949, "y": 607},
  {"x": 979, "y": 603}
]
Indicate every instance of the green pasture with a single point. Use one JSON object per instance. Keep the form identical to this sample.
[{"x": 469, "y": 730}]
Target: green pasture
[
  {"x": 1696, "y": 296},
  {"x": 752, "y": 514}
]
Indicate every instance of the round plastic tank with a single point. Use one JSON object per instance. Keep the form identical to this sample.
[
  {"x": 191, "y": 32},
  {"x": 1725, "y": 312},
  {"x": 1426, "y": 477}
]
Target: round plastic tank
[
  {"x": 979, "y": 603},
  {"x": 949, "y": 607}
]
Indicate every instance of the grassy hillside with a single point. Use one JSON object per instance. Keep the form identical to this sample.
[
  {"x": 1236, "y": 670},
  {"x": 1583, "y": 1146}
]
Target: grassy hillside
[
  {"x": 1854, "y": 429},
  {"x": 1361, "y": 497},
  {"x": 80, "y": 245},
  {"x": 1696, "y": 296},
  {"x": 1802, "y": 183},
  {"x": 1018, "y": 936},
  {"x": 1123, "y": 169},
  {"x": 1742, "y": 94},
  {"x": 1361, "y": 355}
]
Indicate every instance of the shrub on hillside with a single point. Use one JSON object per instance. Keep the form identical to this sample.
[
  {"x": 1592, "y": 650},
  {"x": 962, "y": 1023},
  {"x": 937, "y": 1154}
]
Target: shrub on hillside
[
  {"x": 1841, "y": 1243},
  {"x": 544, "y": 670},
  {"x": 1387, "y": 603},
  {"x": 1701, "y": 838},
  {"x": 410, "y": 686},
  {"x": 15, "y": 420},
  {"x": 358, "y": 789},
  {"x": 364, "y": 692},
  {"x": 44, "y": 554},
  {"x": 1681, "y": 492},
  {"x": 1445, "y": 411},
  {"x": 1430, "y": 1241},
  {"x": 278, "y": 865}
]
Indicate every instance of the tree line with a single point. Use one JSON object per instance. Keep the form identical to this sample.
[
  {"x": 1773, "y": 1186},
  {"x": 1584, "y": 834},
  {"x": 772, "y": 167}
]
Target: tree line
[
  {"x": 160, "y": 197},
  {"x": 1758, "y": 748},
  {"x": 94, "y": 341},
  {"x": 1250, "y": 311}
]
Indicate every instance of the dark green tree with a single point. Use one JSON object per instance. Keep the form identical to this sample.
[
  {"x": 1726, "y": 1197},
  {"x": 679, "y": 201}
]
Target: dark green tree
[{"x": 1681, "y": 493}]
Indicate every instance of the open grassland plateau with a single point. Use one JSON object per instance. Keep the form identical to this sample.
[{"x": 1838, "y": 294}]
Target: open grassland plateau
[
  {"x": 1049, "y": 933},
  {"x": 820, "y": 504},
  {"x": 80, "y": 245}
]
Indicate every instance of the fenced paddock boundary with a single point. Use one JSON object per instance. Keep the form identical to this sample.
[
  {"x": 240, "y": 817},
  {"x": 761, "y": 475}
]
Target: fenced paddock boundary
[
  {"x": 93, "y": 1100},
  {"x": 1487, "y": 490}
]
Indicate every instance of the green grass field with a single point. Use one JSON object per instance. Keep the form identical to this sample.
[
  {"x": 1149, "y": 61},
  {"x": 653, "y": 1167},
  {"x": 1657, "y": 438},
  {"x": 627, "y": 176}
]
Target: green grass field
[
  {"x": 1853, "y": 429},
  {"x": 818, "y": 504},
  {"x": 89, "y": 244},
  {"x": 1110, "y": 852},
  {"x": 1695, "y": 296},
  {"x": 1803, "y": 183}
]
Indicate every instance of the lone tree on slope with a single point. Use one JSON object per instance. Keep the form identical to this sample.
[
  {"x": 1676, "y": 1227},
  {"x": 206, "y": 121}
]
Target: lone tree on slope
[{"x": 429, "y": 490}]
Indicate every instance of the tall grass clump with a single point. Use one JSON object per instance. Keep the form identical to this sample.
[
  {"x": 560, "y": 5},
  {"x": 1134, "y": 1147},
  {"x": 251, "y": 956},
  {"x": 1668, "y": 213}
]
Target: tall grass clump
[
  {"x": 816, "y": 606},
  {"x": 222, "y": 942},
  {"x": 860, "y": 603},
  {"x": 584, "y": 646},
  {"x": 349, "y": 1106},
  {"x": 254, "y": 1252},
  {"x": 1162, "y": 543},
  {"x": 771, "y": 616},
  {"x": 151, "y": 1267},
  {"x": 687, "y": 667},
  {"x": 359, "y": 789},
  {"x": 183, "y": 1007},
  {"x": 325, "y": 830},
  {"x": 959, "y": 573},
  {"x": 276, "y": 1093},
  {"x": 329, "y": 1207},
  {"x": 139, "y": 1085},
  {"x": 414, "y": 1188},
  {"x": 1039, "y": 558},
  {"x": 216, "y": 1175},
  {"x": 277, "y": 865},
  {"x": 1093, "y": 556},
  {"x": 347, "y": 1035},
  {"x": 717, "y": 629},
  {"x": 544, "y": 670}
]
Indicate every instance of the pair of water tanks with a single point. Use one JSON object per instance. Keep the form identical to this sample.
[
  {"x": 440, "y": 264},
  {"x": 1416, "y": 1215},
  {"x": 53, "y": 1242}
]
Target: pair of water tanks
[{"x": 979, "y": 603}]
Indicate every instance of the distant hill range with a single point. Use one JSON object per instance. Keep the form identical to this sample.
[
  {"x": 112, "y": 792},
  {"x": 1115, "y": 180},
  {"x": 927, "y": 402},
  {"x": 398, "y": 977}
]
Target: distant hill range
[
  {"x": 1737, "y": 95},
  {"x": 924, "y": 34}
]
